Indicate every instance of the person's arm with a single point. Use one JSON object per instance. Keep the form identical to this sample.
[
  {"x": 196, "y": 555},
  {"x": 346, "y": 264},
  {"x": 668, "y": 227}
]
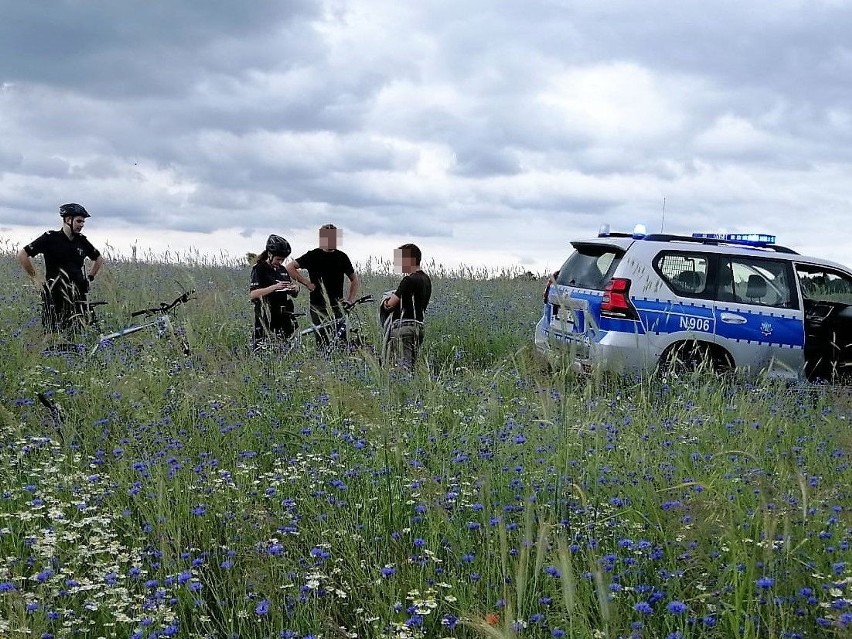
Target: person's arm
[
  {"x": 258, "y": 276},
  {"x": 26, "y": 263},
  {"x": 395, "y": 299},
  {"x": 354, "y": 287},
  {"x": 257, "y": 293},
  {"x": 391, "y": 302},
  {"x": 293, "y": 269},
  {"x": 96, "y": 266}
]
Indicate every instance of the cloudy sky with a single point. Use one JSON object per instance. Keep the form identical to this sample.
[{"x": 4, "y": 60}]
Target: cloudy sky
[{"x": 487, "y": 131}]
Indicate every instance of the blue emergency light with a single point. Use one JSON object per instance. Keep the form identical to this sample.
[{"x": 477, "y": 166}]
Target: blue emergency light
[{"x": 748, "y": 239}]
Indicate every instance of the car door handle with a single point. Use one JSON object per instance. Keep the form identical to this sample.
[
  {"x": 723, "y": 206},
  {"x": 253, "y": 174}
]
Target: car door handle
[{"x": 732, "y": 318}]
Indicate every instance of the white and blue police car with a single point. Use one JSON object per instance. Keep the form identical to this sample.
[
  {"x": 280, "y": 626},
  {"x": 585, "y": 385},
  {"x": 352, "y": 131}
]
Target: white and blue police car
[{"x": 637, "y": 301}]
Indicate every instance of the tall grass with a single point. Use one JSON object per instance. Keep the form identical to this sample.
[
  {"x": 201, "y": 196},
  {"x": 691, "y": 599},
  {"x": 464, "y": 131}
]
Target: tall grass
[{"x": 232, "y": 495}]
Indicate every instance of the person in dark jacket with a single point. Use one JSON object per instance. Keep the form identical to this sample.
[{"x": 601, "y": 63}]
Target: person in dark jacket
[
  {"x": 272, "y": 291},
  {"x": 66, "y": 283},
  {"x": 327, "y": 267},
  {"x": 403, "y": 311}
]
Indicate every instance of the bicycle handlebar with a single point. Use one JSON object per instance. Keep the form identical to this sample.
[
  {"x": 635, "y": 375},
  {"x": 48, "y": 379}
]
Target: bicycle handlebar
[
  {"x": 361, "y": 300},
  {"x": 165, "y": 308}
]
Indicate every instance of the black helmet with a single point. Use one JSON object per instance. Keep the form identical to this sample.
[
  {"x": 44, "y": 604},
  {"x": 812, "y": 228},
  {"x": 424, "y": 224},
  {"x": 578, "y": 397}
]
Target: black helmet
[
  {"x": 277, "y": 245},
  {"x": 74, "y": 210}
]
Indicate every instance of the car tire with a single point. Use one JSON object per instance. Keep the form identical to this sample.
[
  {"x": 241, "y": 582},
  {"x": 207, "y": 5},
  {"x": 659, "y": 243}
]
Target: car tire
[{"x": 692, "y": 356}]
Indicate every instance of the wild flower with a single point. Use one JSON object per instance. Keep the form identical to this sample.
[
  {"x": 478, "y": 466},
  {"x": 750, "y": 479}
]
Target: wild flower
[
  {"x": 676, "y": 607},
  {"x": 765, "y": 582}
]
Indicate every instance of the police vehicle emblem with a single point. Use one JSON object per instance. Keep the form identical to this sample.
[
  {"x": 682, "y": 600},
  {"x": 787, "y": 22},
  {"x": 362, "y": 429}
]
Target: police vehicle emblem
[{"x": 766, "y": 328}]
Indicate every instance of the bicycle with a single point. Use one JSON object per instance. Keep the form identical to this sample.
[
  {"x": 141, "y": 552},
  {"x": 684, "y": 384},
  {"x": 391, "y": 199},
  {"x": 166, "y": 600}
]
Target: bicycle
[
  {"x": 160, "y": 321},
  {"x": 335, "y": 335}
]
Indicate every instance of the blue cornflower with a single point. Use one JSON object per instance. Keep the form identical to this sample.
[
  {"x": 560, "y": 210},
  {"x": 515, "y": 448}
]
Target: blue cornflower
[
  {"x": 199, "y": 510},
  {"x": 643, "y": 607},
  {"x": 44, "y": 575},
  {"x": 419, "y": 542},
  {"x": 388, "y": 571},
  {"x": 765, "y": 582},
  {"x": 557, "y": 632},
  {"x": 262, "y": 607},
  {"x": 7, "y": 586},
  {"x": 676, "y": 607}
]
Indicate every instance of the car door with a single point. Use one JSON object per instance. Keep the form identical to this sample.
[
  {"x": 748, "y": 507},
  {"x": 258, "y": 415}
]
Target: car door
[
  {"x": 758, "y": 318},
  {"x": 683, "y": 311},
  {"x": 827, "y": 303}
]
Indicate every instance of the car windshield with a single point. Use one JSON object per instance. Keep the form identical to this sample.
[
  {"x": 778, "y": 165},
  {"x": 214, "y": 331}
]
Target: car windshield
[{"x": 590, "y": 266}]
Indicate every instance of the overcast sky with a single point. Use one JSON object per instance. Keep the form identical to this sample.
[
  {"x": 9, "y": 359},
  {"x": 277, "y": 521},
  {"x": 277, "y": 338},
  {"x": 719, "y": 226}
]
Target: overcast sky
[{"x": 487, "y": 131}]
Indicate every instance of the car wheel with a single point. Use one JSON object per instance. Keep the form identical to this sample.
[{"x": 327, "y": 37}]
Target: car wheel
[{"x": 690, "y": 357}]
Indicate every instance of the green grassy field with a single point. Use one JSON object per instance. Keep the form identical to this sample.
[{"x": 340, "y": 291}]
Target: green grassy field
[{"x": 234, "y": 495}]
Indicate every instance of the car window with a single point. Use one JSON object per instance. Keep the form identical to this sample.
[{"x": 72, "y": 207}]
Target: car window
[
  {"x": 761, "y": 282},
  {"x": 685, "y": 273},
  {"x": 824, "y": 284},
  {"x": 590, "y": 266}
]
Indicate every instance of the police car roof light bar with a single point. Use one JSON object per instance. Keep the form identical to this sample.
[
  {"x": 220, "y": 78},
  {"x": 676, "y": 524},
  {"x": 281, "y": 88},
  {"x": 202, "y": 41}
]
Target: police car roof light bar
[{"x": 747, "y": 239}]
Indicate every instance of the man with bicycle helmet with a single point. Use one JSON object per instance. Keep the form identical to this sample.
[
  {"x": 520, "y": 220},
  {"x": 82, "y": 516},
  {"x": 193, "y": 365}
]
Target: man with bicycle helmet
[
  {"x": 402, "y": 311},
  {"x": 271, "y": 290},
  {"x": 327, "y": 266},
  {"x": 66, "y": 282}
]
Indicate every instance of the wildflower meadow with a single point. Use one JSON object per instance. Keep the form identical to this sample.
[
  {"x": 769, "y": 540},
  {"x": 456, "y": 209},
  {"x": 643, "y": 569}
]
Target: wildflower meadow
[{"x": 228, "y": 494}]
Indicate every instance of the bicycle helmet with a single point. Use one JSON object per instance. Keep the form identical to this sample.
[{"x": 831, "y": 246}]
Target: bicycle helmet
[
  {"x": 74, "y": 210},
  {"x": 278, "y": 246}
]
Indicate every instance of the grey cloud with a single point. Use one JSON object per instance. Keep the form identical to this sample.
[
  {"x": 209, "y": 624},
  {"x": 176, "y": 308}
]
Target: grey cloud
[{"x": 135, "y": 47}]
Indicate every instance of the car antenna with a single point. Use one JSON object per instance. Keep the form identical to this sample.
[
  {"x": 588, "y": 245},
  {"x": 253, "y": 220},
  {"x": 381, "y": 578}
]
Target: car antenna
[{"x": 663, "y": 221}]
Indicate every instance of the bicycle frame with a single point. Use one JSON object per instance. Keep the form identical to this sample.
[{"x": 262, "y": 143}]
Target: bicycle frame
[
  {"x": 161, "y": 321},
  {"x": 338, "y": 331}
]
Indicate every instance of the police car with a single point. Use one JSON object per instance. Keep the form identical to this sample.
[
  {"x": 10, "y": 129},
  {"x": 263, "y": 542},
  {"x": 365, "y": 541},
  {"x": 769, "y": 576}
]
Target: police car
[{"x": 635, "y": 302}]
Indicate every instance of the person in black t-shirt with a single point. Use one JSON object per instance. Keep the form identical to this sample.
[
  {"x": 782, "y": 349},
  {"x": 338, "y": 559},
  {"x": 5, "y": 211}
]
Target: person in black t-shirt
[
  {"x": 402, "y": 311},
  {"x": 271, "y": 290},
  {"x": 66, "y": 282},
  {"x": 327, "y": 267}
]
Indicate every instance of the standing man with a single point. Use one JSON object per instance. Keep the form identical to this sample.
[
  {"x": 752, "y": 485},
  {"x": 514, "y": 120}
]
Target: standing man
[
  {"x": 326, "y": 267},
  {"x": 66, "y": 282},
  {"x": 403, "y": 310}
]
